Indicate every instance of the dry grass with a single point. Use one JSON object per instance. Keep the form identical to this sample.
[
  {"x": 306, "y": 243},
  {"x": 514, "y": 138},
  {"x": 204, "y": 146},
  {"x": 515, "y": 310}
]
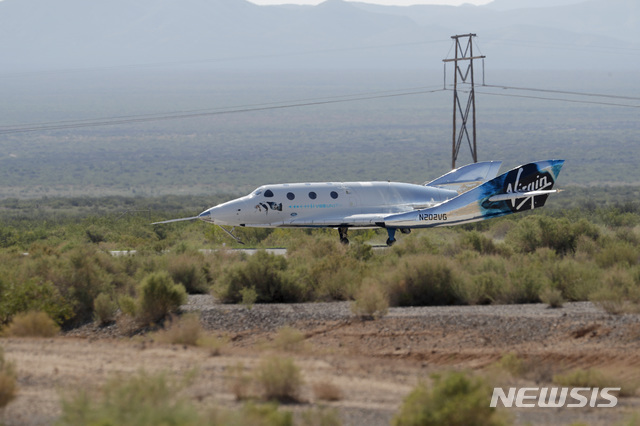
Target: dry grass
[
  {"x": 327, "y": 391},
  {"x": 240, "y": 383},
  {"x": 371, "y": 302},
  {"x": 280, "y": 379},
  {"x": 289, "y": 339},
  {"x": 32, "y": 324},
  {"x": 185, "y": 330},
  {"x": 596, "y": 378},
  {"x": 8, "y": 387}
]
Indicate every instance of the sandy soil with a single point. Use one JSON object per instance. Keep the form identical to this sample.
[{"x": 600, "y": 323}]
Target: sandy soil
[{"x": 373, "y": 363}]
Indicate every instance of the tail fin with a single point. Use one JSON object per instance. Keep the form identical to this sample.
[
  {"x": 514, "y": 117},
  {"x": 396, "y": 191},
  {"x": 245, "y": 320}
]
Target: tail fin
[
  {"x": 523, "y": 188},
  {"x": 467, "y": 177}
]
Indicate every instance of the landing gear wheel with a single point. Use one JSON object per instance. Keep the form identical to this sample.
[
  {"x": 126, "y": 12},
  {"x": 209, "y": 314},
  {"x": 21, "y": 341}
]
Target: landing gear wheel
[
  {"x": 392, "y": 236},
  {"x": 343, "y": 235}
]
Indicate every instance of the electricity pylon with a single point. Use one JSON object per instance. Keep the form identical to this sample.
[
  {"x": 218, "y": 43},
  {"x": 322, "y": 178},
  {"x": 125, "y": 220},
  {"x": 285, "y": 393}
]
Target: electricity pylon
[{"x": 465, "y": 55}]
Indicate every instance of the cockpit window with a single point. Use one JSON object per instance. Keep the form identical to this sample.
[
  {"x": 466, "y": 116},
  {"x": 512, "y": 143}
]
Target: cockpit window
[
  {"x": 268, "y": 193},
  {"x": 258, "y": 192}
]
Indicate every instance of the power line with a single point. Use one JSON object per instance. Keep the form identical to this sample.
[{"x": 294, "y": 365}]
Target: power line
[
  {"x": 131, "y": 119},
  {"x": 563, "y": 92},
  {"x": 509, "y": 95}
]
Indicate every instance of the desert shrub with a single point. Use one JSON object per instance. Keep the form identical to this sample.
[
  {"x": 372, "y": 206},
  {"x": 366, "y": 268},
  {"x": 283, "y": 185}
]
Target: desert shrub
[
  {"x": 620, "y": 292},
  {"x": 279, "y": 379},
  {"x": 327, "y": 391},
  {"x": 617, "y": 252},
  {"x": 82, "y": 277},
  {"x": 264, "y": 272},
  {"x": 561, "y": 235},
  {"x": 454, "y": 400},
  {"x": 249, "y": 296},
  {"x": 289, "y": 339},
  {"x": 34, "y": 295},
  {"x": 8, "y": 387},
  {"x": 483, "y": 280},
  {"x": 128, "y": 305},
  {"x": 552, "y": 297},
  {"x": 190, "y": 270},
  {"x": 104, "y": 309},
  {"x": 184, "y": 330},
  {"x": 251, "y": 414},
  {"x": 321, "y": 416},
  {"x": 574, "y": 279},
  {"x": 479, "y": 242},
  {"x": 324, "y": 268},
  {"x": 240, "y": 382},
  {"x": 32, "y": 324},
  {"x": 423, "y": 281},
  {"x": 141, "y": 399},
  {"x": 526, "y": 281},
  {"x": 370, "y": 302},
  {"x": 159, "y": 296},
  {"x": 511, "y": 363},
  {"x": 594, "y": 378}
]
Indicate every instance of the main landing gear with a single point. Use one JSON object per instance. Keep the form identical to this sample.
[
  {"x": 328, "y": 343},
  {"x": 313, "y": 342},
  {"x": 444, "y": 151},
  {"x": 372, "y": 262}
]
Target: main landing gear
[
  {"x": 392, "y": 234},
  {"x": 390, "y": 231},
  {"x": 343, "y": 235}
]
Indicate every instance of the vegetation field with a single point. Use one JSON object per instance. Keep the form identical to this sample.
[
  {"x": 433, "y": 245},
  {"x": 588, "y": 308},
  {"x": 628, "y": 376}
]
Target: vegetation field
[
  {"x": 70, "y": 199},
  {"x": 380, "y": 137}
]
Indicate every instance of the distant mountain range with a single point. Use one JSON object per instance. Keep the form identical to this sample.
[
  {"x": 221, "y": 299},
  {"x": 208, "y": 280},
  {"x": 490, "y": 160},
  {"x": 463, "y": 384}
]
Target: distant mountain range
[{"x": 236, "y": 34}]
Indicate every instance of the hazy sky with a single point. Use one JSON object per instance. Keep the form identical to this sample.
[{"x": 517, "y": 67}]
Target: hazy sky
[{"x": 385, "y": 2}]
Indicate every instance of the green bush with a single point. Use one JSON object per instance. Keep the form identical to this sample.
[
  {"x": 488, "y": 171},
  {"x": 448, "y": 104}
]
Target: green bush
[
  {"x": 104, "y": 309},
  {"x": 8, "y": 386},
  {"x": 159, "y": 296},
  {"x": 324, "y": 269},
  {"x": 185, "y": 330},
  {"x": 479, "y": 242},
  {"x": 575, "y": 280},
  {"x": 594, "y": 378},
  {"x": 254, "y": 415},
  {"x": 32, "y": 324},
  {"x": 620, "y": 292},
  {"x": 423, "y": 281},
  {"x": 371, "y": 302},
  {"x": 190, "y": 270},
  {"x": 264, "y": 272},
  {"x": 279, "y": 379},
  {"x": 454, "y": 400},
  {"x": 617, "y": 252},
  {"x": 141, "y": 399},
  {"x": 34, "y": 295},
  {"x": 561, "y": 235}
]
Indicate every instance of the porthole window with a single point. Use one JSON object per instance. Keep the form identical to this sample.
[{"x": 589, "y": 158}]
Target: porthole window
[
  {"x": 291, "y": 195},
  {"x": 334, "y": 194},
  {"x": 312, "y": 195},
  {"x": 268, "y": 193}
]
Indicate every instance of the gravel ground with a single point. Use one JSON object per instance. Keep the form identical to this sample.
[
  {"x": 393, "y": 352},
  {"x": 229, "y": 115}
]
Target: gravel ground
[{"x": 376, "y": 363}]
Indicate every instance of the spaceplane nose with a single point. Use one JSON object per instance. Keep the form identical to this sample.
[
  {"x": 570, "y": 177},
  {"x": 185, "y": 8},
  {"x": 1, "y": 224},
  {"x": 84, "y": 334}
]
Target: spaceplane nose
[{"x": 206, "y": 216}]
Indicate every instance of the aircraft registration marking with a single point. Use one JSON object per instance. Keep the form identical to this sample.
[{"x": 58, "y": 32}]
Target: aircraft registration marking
[{"x": 432, "y": 216}]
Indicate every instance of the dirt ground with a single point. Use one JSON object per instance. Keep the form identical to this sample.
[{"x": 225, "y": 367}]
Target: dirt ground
[{"x": 374, "y": 364}]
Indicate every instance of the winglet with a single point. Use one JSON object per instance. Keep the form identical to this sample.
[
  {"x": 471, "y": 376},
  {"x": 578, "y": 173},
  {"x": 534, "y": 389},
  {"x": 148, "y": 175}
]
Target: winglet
[{"x": 467, "y": 177}]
